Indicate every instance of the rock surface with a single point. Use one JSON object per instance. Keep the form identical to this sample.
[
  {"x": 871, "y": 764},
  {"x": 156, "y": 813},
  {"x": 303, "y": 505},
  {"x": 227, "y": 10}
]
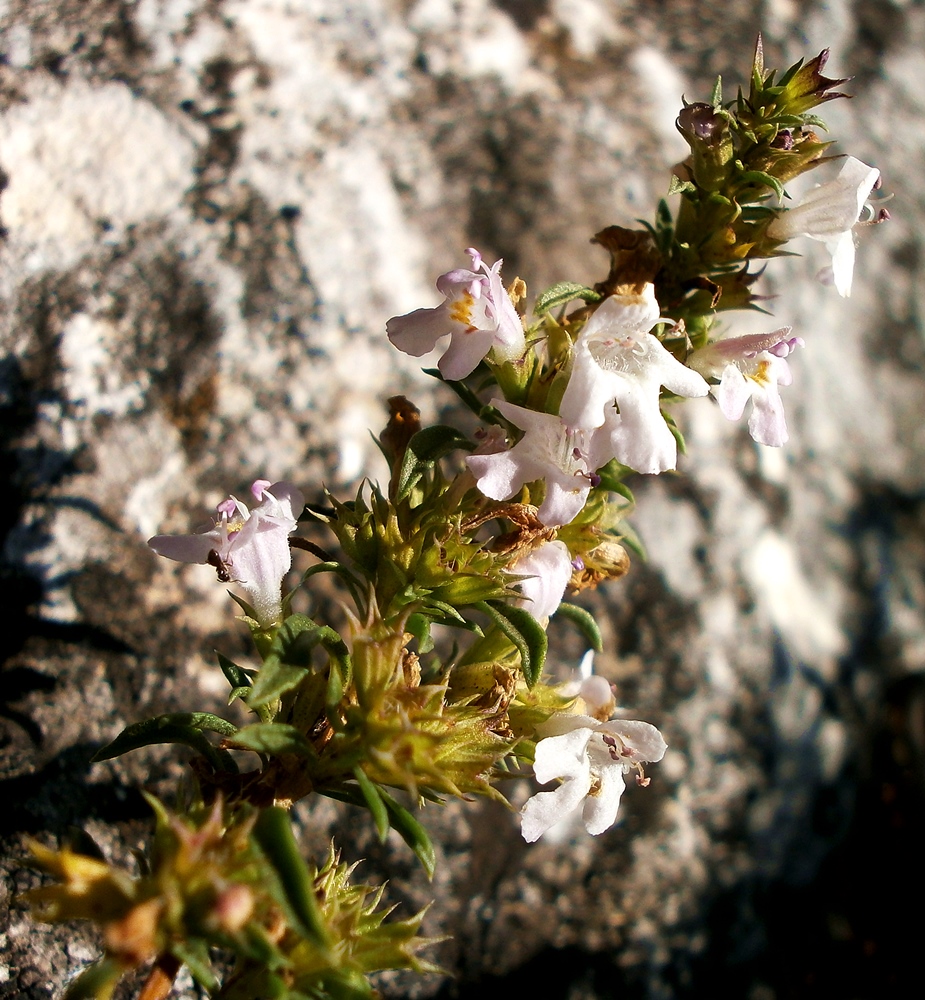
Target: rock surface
[{"x": 211, "y": 207}]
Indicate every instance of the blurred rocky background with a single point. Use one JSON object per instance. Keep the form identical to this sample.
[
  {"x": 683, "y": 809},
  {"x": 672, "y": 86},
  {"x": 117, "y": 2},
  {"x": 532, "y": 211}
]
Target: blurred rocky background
[{"x": 209, "y": 210}]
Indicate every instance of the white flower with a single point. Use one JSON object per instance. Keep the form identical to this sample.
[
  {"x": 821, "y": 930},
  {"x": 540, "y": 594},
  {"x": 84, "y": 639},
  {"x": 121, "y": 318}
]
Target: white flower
[
  {"x": 546, "y": 572},
  {"x": 751, "y": 367},
  {"x": 829, "y": 213},
  {"x": 566, "y": 459},
  {"x": 618, "y": 361},
  {"x": 478, "y": 316},
  {"x": 590, "y": 758},
  {"x": 246, "y": 547}
]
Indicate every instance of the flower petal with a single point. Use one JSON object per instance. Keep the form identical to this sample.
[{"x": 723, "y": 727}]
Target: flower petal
[
  {"x": 603, "y": 803},
  {"x": 546, "y": 571},
  {"x": 646, "y": 743}
]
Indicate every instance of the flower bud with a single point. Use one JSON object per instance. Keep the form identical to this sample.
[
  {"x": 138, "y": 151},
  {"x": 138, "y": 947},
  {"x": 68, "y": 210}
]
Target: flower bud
[
  {"x": 234, "y": 908},
  {"x": 708, "y": 135}
]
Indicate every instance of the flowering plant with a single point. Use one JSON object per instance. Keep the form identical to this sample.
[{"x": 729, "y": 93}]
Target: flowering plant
[{"x": 479, "y": 539}]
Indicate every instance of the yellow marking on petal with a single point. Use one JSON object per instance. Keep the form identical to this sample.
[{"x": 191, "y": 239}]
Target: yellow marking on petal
[
  {"x": 461, "y": 310},
  {"x": 760, "y": 375}
]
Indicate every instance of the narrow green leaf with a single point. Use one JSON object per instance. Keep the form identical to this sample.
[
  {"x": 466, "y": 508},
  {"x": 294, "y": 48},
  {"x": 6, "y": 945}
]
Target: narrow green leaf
[
  {"x": 423, "y": 451},
  {"x": 611, "y": 479},
  {"x": 180, "y": 727},
  {"x": 334, "y": 691},
  {"x": 466, "y": 395},
  {"x": 238, "y": 693},
  {"x": 760, "y": 177},
  {"x": 631, "y": 540},
  {"x": 274, "y": 836},
  {"x": 272, "y": 738},
  {"x": 585, "y": 623},
  {"x": 524, "y": 631},
  {"x": 249, "y": 612},
  {"x": 412, "y": 832},
  {"x": 96, "y": 983},
  {"x": 260, "y": 948},
  {"x": 342, "y": 984},
  {"x": 418, "y": 625},
  {"x": 716, "y": 98},
  {"x": 290, "y": 658},
  {"x": 561, "y": 294},
  {"x": 401, "y": 820},
  {"x": 236, "y": 676},
  {"x": 194, "y": 953},
  {"x": 352, "y": 582},
  {"x": 374, "y": 802},
  {"x": 273, "y": 681}
]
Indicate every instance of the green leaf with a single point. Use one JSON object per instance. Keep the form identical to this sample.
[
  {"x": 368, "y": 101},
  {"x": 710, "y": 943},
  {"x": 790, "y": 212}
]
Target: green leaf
[
  {"x": 423, "y": 451},
  {"x": 419, "y": 626},
  {"x": 259, "y": 947},
  {"x": 238, "y": 693},
  {"x": 272, "y": 738},
  {"x": 342, "y": 984},
  {"x": 334, "y": 691},
  {"x": 352, "y": 582},
  {"x": 675, "y": 431},
  {"x": 412, "y": 832},
  {"x": 524, "y": 631},
  {"x": 186, "y": 728},
  {"x": 401, "y": 820},
  {"x": 766, "y": 180},
  {"x": 610, "y": 476},
  {"x": 290, "y": 658},
  {"x": 374, "y": 802},
  {"x": 631, "y": 540},
  {"x": 716, "y": 98},
  {"x": 677, "y": 186},
  {"x": 236, "y": 676},
  {"x": 561, "y": 294},
  {"x": 194, "y": 952},
  {"x": 273, "y": 681},
  {"x": 274, "y": 836},
  {"x": 249, "y": 612},
  {"x": 466, "y": 395},
  {"x": 585, "y": 622},
  {"x": 96, "y": 983}
]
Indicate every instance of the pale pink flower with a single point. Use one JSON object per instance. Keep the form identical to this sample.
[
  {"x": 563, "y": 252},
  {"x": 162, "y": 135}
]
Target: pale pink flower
[
  {"x": 751, "y": 368},
  {"x": 250, "y": 547},
  {"x": 477, "y": 315}
]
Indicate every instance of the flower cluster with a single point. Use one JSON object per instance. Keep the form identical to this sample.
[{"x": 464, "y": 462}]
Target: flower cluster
[{"x": 483, "y": 537}]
